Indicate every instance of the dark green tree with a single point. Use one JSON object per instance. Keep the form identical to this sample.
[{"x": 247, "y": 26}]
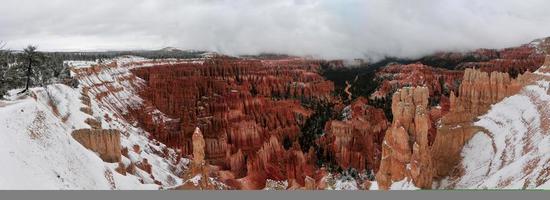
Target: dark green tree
[{"x": 31, "y": 58}]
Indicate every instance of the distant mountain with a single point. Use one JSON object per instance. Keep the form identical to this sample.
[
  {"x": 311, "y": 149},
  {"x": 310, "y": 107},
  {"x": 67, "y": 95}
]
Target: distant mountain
[{"x": 170, "y": 49}]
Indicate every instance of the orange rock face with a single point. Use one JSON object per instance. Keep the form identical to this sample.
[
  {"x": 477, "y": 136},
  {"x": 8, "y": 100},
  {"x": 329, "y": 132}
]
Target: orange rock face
[
  {"x": 357, "y": 141},
  {"x": 406, "y": 151},
  {"x": 105, "y": 142}
]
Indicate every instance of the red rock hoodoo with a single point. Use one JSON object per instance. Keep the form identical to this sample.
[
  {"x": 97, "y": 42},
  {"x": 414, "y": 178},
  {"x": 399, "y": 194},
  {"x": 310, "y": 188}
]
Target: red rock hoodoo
[
  {"x": 356, "y": 142},
  {"x": 198, "y": 175},
  {"x": 406, "y": 151},
  {"x": 245, "y": 108}
]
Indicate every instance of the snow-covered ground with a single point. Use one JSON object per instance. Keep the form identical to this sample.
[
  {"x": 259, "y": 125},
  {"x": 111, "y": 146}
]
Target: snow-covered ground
[
  {"x": 514, "y": 153},
  {"x": 38, "y": 151}
]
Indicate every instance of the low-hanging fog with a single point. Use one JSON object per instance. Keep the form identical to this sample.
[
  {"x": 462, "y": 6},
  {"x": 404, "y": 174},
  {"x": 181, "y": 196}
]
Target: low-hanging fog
[{"x": 321, "y": 28}]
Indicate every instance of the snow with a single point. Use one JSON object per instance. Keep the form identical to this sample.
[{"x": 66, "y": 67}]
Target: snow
[
  {"x": 514, "y": 152},
  {"x": 196, "y": 180},
  {"x": 39, "y": 153},
  {"x": 399, "y": 185},
  {"x": 67, "y": 101},
  {"x": 346, "y": 185},
  {"x": 108, "y": 110},
  {"x": 80, "y": 64},
  {"x": 374, "y": 186},
  {"x": 403, "y": 185},
  {"x": 275, "y": 185},
  {"x": 545, "y": 186},
  {"x": 346, "y": 113}
]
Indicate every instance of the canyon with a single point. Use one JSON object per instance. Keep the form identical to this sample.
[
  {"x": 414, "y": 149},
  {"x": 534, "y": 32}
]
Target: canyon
[
  {"x": 219, "y": 122},
  {"x": 251, "y": 113}
]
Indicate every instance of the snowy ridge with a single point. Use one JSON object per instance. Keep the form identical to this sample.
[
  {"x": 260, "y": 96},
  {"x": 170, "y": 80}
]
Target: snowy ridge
[
  {"x": 131, "y": 62},
  {"x": 514, "y": 153},
  {"x": 113, "y": 89},
  {"x": 39, "y": 152}
]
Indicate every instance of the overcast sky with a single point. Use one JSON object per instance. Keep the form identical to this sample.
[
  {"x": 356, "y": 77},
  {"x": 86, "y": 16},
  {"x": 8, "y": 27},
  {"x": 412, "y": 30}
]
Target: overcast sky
[{"x": 323, "y": 28}]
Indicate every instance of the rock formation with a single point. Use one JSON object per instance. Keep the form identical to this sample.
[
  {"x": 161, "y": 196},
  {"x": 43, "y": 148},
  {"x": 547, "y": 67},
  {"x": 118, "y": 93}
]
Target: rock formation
[
  {"x": 310, "y": 184},
  {"x": 240, "y": 105},
  {"x": 198, "y": 151},
  {"x": 439, "y": 81},
  {"x": 546, "y": 66},
  {"x": 357, "y": 141},
  {"x": 198, "y": 175},
  {"x": 406, "y": 151},
  {"x": 478, "y": 91},
  {"x": 104, "y": 142},
  {"x": 517, "y": 60}
]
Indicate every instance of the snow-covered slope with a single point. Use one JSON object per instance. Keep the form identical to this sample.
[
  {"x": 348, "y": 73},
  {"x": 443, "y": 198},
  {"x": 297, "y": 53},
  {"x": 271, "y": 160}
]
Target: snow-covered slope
[
  {"x": 38, "y": 151},
  {"x": 37, "y": 148},
  {"x": 514, "y": 152}
]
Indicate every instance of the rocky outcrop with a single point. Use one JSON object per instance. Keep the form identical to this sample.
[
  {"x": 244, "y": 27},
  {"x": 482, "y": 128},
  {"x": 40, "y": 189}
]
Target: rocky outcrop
[
  {"x": 357, "y": 141},
  {"x": 439, "y": 81},
  {"x": 546, "y": 66},
  {"x": 198, "y": 151},
  {"x": 517, "y": 60},
  {"x": 273, "y": 162},
  {"x": 310, "y": 184},
  {"x": 198, "y": 175},
  {"x": 478, "y": 91},
  {"x": 104, "y": 142},
  {"x": 406, "y": 151}
]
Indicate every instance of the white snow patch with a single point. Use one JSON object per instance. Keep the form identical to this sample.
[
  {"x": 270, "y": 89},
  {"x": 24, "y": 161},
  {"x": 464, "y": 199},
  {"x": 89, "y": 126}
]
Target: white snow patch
[{"x": 515, "y": 152}]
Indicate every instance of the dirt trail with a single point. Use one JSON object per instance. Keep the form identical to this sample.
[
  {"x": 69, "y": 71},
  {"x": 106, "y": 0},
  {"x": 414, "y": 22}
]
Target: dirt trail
[{"x": 348, "y": 87}]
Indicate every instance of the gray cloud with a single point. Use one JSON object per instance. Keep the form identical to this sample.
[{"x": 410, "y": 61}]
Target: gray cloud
[{"x": 323, "y": 28}]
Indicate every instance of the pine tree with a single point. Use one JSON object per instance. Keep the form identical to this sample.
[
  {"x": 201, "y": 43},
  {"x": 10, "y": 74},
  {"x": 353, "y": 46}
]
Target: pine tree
[
  {"x": 3, "y": 70},
  {"x": 31, "y": 58}
]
